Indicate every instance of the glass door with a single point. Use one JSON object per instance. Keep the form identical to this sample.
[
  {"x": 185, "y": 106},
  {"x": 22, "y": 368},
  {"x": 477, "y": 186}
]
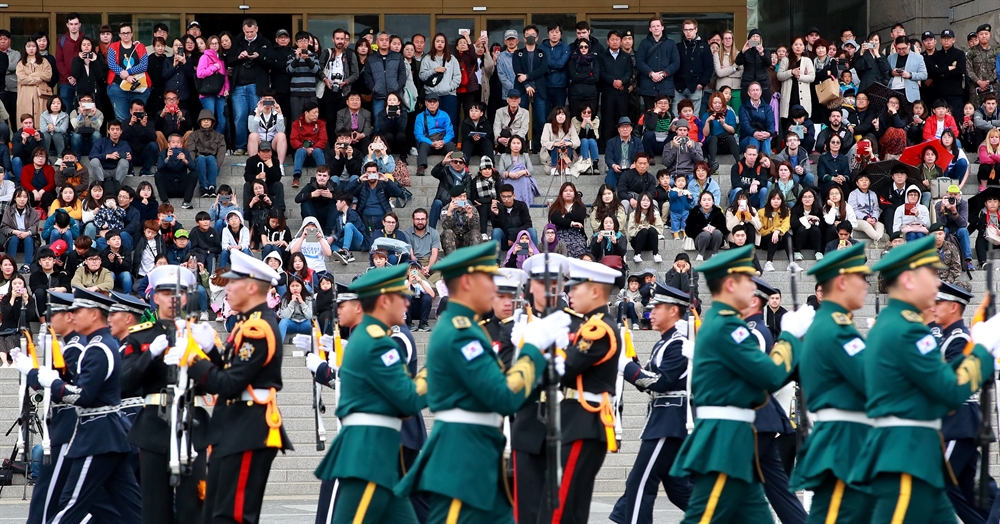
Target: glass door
[
  {"x": 451, "y": 27},
  {"x": 496, "y": 27},
  {"x": 23, "y": 27}
]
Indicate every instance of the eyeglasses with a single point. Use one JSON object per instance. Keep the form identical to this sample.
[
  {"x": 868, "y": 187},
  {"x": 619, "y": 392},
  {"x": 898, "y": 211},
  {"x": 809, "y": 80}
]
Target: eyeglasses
[{"x": 123, "y": 33}]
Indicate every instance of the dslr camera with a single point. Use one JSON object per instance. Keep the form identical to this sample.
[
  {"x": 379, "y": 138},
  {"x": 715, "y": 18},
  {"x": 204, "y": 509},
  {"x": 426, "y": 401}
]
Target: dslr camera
[{"x": 336, "y": 79}]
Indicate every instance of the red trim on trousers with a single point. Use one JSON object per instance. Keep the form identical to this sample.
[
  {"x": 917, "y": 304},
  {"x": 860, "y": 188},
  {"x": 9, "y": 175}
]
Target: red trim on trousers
[
  {"x": 574, "y": 455},
  {"x": 241, "y": 486}
]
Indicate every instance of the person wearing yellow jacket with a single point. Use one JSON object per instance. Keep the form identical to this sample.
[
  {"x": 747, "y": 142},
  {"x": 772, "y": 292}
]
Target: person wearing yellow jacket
[{"x": 775, "y": 220}]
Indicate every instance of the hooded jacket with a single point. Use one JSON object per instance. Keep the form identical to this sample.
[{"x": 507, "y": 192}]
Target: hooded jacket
[
  {"x": 244, "y": 235},
  {"x": 203, "y": 142}
]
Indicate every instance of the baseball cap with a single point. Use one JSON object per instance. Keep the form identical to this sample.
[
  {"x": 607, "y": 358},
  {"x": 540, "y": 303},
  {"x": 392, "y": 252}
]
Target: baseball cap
[
  {"x": 947, "y": 33},
  {"x": 282, "y": 32},
  {"x": 265, "y": 145},
  {"x": 510, "y": 33},
  {"x": 194, "y": 23},
  {"x": 926, "y": 34},
  {"x": 181, "y": 233}
]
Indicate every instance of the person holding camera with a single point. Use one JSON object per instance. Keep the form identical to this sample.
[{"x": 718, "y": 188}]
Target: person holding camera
[
  {"x": 87, "y": 70},
  {"x": 345, "y": 160},
  {"x": 460, "y": 222},
  {"x": 391, "y": 132},
  {"x": 140, "y": 134},
  {"x": 339, "y": 69},
  {"x": 17, "y": 300},
  {"x": 953, "y": 212},
  {"x": 86, "y": 121},
  {"x": 421, "y": 299},
  {"x": 303, "y": 67},
  {"x": 267, "y": 124},
  {"x": 172, "y": 119},
  {"x": 175, "y": 173},
  {"x": 378, "y": 153},
  {"x": 373, "y": 191},
  {"x": 681, "y": 153},
  {"x": 451, "y": 172},
  {"x": 310, "y": 242}
]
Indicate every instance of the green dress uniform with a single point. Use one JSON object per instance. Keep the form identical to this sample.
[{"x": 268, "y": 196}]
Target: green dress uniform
[
  {"x": 461, "y": 466},
  {"x": 730, "y": 378},
  {"x": 376, "y": 394},
  {"x": 903, "y": 459},
  {"x": 833, "y": 382}
]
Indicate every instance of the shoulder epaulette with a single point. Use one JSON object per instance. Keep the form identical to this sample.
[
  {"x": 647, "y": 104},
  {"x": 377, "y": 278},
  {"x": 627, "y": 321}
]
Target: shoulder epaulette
[
  {"x": 572, "y": 312},
  {"x": 507, "y": 320},
  {"x": 375, "y": 331},
  {"x": 841, "y": 319},
  {"x": 484, "y": 321},
  {"x": 726, "y": 313},
  {"x": 461, "y": 322},
  {"x": 140, "y": 327},
  {"x": 913, "y": 316}
]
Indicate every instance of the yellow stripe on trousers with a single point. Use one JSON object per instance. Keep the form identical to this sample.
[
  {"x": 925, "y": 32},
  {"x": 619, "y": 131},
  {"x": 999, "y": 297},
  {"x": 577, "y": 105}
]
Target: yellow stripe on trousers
[
  {"x": 835, "y": 500},
  {"x": 456, "y": 507},
  {"x": 366, "y": 500},
  {"x": 905, "y": 490},
  {"x": 713, "y": 499}
]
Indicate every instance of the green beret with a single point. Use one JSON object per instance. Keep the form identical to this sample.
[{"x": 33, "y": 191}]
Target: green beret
[
  {"x": 738, "y": 260},
  {"x": 379, "y": 281},
  {"x": 841, "y": 262},
  {"x": 481, "y": 258},
  {"x": 911, "y": 255}
]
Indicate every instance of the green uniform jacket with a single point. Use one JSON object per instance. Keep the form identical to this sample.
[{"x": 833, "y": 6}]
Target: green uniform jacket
[
  {"x": 374, "y": 380},
  {"x": 464, "y": 461},
  {"x": 831, "y": 367},
  {"x": 912, "y": 381},
  {"x": 730, "y": 370}
]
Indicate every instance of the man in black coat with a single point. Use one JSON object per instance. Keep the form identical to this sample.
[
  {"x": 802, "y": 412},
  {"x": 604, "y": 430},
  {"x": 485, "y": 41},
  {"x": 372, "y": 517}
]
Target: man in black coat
[
  {"x": 616, "y": 76},
  {"x": 531, "y": 66},
  {"x": 251, "y": 58},
  {"x": 696, "y": 69},
  {"x": 509, "y": 218},
  {"x": 951, "y": 69}
]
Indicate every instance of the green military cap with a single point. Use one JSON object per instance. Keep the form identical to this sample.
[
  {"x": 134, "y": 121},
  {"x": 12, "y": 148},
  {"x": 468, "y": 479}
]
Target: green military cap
[
  {"x": 473, "y": 259},
  {"x": 728, "y": 262},
  {"x": 380, "y": 281},
  {"x": 841, "y": 262},
  {"x": 911, "y": 255}
]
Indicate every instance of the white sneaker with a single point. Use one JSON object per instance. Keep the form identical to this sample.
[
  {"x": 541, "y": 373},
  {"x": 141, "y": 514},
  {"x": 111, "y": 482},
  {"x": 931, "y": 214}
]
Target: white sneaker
[
  {"x": 660, "y": 236},
  {"x": 798, "y": 256},
  {"x": 794, "y": 268},
  {"x": 413, "y": 151},
  {"x": 485, "y": 237},
  {"x": 204, "y": 316},
  {"x": 768, "y": 266},
  {"x": 555, "y": 171},
  {"x": 637, "y": 258},
  {"x": 819, "y": 255},
  {"x": 657, "y": 258},
  {"x": 699, "y": 258}
]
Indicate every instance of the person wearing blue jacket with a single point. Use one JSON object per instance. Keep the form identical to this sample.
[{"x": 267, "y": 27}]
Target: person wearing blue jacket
[
  {"x": 372, "y": 191},
  {"x": 433, "y": 131},
  {"x": 620, "y": 151},
  {"x": 696, "y": 66},
  {"x": 756, "y": 120},
  {"x": 558, "y": 53},
  {"x": 385, "y": 73},
  {"x": 531, "y": 69},
  {"x": 657, "y": 60},
  {"x": 347, "y": 231}
]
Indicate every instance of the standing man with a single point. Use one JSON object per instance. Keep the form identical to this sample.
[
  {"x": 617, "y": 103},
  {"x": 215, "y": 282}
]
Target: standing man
[
  {"x": 384, "y": 73},
  {"x": 912, "y": 387},
  {"x": 657, "y": 60},
  {"x": 908, "y": 70},
  {"x": 68, "y": 48},
  {"x": 147, "y": 373},
  {"x": 696, "y": 69},
  {"x": 531, "y": 67},
  {"x": 583, "y": 34},
  {"x": 928, "y": 87},
  {"x": 11, "y": 58},
  {"x": 664, "y": 377},
  {"x": 505, "y": 65},
  {"x": 339, "y": 71},
  {"x": 617, "y": 75},
  {"x": 981, "y": 65},
  {"x": 251, "y": 58},
  {"x": 730, "y": 377},
  {"x": 470, "y": 395},
  {"x": 246, "y": 431},
  {"x": 558, "y": 53},
  {"x": 377, "y": 393},
  {"x": 951, "y": 72},
  {"x": 586, "y": 410}
]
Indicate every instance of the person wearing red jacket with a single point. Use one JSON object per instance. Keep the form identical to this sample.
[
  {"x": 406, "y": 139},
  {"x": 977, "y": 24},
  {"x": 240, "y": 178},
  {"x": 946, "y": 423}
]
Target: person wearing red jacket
[
  {"x": 68, "y": 48},
  {"x": 308, "y": 139},
  {"x": 939, "y": 121},
  {"x": 39, "y": 178}
]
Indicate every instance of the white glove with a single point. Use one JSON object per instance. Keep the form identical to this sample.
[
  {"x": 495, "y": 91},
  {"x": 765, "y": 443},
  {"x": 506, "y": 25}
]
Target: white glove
[
  {"x": 560, "y": 365},
  {"x": 331, "y": 358},
  {"x": 798, "y": 321},
  {"x": 313, "y": 361},
  {"x": 173, "y": 357},
  {"x": 205, "y": 336},
  {"x": 47, "y": 376},
  {"x": 327, "y": 342},
  {"x": 682, "y": 327},
  {"x": 687, "y": 349},
  {"x": 870, "y": 322},
  {"x": 23, "y": 364},
  {"x": 987, "y": 334},
  {"x": 544, "y": 332},
  {"x": 303, "y": 342},
  {"x": 14, "y": 352},
  {"x": 158, "y": 346}
]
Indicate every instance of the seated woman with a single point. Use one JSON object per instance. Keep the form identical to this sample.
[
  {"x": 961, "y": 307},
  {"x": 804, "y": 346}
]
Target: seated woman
[
  {"x": 568, "y": 214},
  {"x": 836, "y": 211},
  {"x": 644, "y": 228},
  {"x": 912, "y": 218},
  {"x": 515, "y": 168},
  {"x": 522, "y": 249},
  {"x": 786, "y": 184},
  {"x": 20, "y": 225},
  {"x": 808, "y": 226},
  {"x": 741, "y": 213},
  {"x": 915, "y": 127},
  {"x": 702, "y": 181},
  {"x": 988, "y": 226},
  {"x": 588, "y": 126},
  {"x": 929, "y": 171},
  {"x": 958, "y": 168},
  {"x": 606, "y": 204},
  {"x": 833, "y": 167},
  {"x": 890, "y": 130},
  {"x": 552, "y": 239},
  {"x": 608, "y": 241},
  {"x": 775, "y": 221},
  {"x": 989, "y": 160},
  {"x": 559, "y": 140},
  {"x": 707, "y": 226},
  {"x": 296, "y": 309}
]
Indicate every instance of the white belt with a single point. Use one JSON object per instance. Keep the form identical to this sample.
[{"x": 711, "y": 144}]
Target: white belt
[
  {"x": 131, "y": 402},
  {"x": 842, "y": 415},
  {"x": 102, "y": 410},
  {"x": 461, "y": 416},
  {"x": 260, "y": 394},
  {"x": 160, "y": 399},
  {"x": 572, "y": 394},
  {"x": 371, "y": 419},
  {"x": 973, "y": 399},
  {"x": 670, "y": 394},
  {"x": 896, "y": 422},
  {"x": 726, "y": 413}
]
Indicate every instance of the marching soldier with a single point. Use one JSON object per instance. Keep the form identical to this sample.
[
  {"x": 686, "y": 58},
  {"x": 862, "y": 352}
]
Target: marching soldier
[
  {"x": 833, "y": 383},
  {"x": 97, "y": 453},
  {"x": 960, "y": 427},
  {"x": 147, "y": 374},
  {"x": 377, "y": 393},
  {"x": 246, "y": 430},
  {"x": 588, "y": 431},
  {"x": 414, "y": 431},
  {"x": 731, "y": 377},
  {"x": 470, "y": 393},
  {"x": 981, "y": 66},
  {"x": 499, "y": 321},
  {"x": 125, "y": 313},
  {"x": 911, "y": 388},
  {"x": 665, "y": 379},
  {"x": 772, "y": 421}
]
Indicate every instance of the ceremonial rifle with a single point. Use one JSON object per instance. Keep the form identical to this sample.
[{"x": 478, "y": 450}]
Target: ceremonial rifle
[
  {"x": 48, "y": 342},
  {"x": 619, "y": 404},
  {"x": 984, "y": 435},
  {"x": 552, "y": 416},
  {"x": 801, "y": 413},
  {"x": 338, "y": 353},
  {"x": 318, "y": 408},
  {"x": 23, "y": 396},
  {"x": 694, "y": 322},
  {"x": 180, "y": 395}
]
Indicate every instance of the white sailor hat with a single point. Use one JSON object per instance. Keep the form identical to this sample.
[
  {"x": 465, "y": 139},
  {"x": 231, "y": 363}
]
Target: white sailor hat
[
  {"x": 243, "y": 266},
  {"x": 951, "y": 293},
  {"x": 86, "y": 299},
  {"x": 669, "y": 295},
  {"x": 128, "y": 304},
  {"x": 581, "y": 271},
  {"x": 509, "y": 280},
  {"x": 344, "y": 294},
  {"x": 168, "y": 277},
  {"x": 534, "y": 265}
]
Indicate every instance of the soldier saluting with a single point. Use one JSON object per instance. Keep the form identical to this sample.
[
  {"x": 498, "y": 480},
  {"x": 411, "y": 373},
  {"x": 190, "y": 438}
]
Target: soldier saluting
[
  {"x": 731, "y": 377},
  {"x": 147, "y": 373},
  {"x": 833, "y": 383},
  {"x": 664, "y": 377},
  {"x": 911, "y": 388},
  {"x": 246, "y": 430}
]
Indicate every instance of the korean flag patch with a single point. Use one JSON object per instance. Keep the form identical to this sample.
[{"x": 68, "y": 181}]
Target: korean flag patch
[
  {"x": 926, "y": 344},
  {"x": 472, "y": 350},
  {"x": 854, "y": 347},
  {"x": 390, "y": 357},
  {"x": 740, "y": 334}
]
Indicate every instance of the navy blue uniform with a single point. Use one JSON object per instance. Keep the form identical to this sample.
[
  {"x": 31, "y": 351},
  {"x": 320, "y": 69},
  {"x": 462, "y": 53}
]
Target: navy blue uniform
[
  {"x": 326, "y": 375},
  {"x": 771, "y": 422},
  {"x": 665, "y": 379},
  {"x": 98, "y": 451}
]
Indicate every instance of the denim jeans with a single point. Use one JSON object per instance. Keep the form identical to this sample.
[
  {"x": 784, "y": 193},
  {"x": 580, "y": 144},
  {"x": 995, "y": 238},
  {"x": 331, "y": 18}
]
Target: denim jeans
[
  {"x": 694, "y": 95},
  {"x": 16, "y": 165},
  {"x": 124, "y": 280},
  {"x": 914, "y": 236},
  {"x": 436, "y": 207},
  {"x": 449, "y": 104},
  {"x": 5, "y": 159},
  {"x": 58, "y": 139},
  {"x": 208, "y": 170},
  {"x": 56, "y": 235},
  {"x": 962, "y": 234},
  {"x": 244, "y": 100},
  {"x": 217, "y": 105},
  {"x": 28, "y": 244},
  {"x": 82, "y": 144},
  {"x": 67, "y": 94},
  {"x": 285, "y": 325},
  {"x": 762, "y": 145},
  {"x": 224, "y": 257},
  {"x": 202, "y": 298},
  {"x": 378, "y": 111},
  {"x": 300, "y": 159},
  {"x": 419, "y": 309},
  {"x": 806, "y": 179},
  {"x": 957, "y": 170},
  {"x": 146, "y": 158},
  {"x": 122, "y": 100},
  {"x": 588, "y": 149},
  {"x": 678, "y": 220},
  {"x": 628, "y": 308},
  {"x": 353, "y": 239}
]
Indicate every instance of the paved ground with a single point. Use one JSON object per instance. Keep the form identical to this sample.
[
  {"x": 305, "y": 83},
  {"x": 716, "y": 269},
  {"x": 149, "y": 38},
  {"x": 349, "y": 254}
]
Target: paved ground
[{"x": 303, "y": 510}]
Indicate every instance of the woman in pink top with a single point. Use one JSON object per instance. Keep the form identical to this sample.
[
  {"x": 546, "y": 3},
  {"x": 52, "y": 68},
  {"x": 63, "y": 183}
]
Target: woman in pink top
[
  {"x": 210, "y": 64},
  {"x": 989, "y": 160}
]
